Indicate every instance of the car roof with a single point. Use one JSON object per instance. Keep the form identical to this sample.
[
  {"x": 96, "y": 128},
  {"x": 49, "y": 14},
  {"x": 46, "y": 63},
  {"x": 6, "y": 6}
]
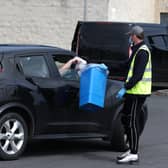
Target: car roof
[{"x": 30, "y": 47}]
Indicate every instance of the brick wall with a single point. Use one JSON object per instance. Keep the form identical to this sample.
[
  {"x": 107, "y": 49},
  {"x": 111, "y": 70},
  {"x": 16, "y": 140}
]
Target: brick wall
[{"x": 49, "y": 22}]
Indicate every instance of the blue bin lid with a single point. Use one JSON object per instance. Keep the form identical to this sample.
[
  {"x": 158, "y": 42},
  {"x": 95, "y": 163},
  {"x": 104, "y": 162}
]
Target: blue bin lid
[{"x": 102, "y": 67}]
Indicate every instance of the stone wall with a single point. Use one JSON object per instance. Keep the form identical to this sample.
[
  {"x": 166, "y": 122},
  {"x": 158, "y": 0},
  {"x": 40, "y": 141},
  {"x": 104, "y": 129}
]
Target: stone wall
[
  {"x": 49, "y": 22},
  {"x": 132, "y": 11},
  {"x": 137, "y": 11},
  {"x": 53, "y": 22}
]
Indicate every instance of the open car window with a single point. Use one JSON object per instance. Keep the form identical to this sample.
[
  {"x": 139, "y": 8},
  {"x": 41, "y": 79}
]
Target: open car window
[
  {"x": 69, "y": 73},
  {"x": 34, "y": 66}
]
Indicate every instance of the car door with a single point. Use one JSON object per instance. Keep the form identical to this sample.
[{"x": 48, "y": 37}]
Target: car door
[
  {"x": 79, "y": 120},
  {"x": 36, "y": 68}
]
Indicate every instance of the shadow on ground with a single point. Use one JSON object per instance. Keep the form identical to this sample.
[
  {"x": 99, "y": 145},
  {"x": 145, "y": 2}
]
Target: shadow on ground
[{"x": 53, "y": 147}]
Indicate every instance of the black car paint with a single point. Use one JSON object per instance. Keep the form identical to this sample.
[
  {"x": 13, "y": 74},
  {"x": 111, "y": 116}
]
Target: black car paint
[
  {"x": 51, "y": 104},
  {"x": 107, "y": 42},
  {"x": 48, "y": 107}
]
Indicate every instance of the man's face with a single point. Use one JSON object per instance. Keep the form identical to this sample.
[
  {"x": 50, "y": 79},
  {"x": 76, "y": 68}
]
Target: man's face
[{"x": 133, "y": 38}]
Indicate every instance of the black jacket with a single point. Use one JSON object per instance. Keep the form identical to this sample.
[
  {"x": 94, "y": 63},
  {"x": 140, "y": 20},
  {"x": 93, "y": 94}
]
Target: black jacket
[{"x": 139, "y": 65}]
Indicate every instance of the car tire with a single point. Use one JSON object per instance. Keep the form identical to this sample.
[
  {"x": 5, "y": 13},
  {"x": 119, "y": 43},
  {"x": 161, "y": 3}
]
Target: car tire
[
  {"x": 13, "y": 136},
  {"x": 118, "y": 139}
]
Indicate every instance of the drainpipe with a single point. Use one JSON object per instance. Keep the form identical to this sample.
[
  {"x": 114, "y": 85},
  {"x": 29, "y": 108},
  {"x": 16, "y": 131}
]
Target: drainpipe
[{"x": 85, "y": 10}]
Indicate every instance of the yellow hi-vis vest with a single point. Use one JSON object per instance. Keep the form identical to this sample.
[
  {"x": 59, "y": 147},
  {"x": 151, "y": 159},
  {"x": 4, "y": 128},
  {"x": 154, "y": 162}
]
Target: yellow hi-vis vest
[{"x": 143, "y": 87}]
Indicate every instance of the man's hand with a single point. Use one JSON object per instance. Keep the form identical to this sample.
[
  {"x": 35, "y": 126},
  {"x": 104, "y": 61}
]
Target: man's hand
[{"x": 121, "y": 93}]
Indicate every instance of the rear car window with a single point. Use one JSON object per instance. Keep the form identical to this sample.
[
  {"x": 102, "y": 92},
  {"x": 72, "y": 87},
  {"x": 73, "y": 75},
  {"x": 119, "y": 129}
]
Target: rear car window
[{"x": 34, "y": 66}]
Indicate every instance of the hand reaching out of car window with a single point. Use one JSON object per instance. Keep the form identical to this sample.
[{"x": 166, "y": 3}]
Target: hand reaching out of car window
[{"x": 76, "y": 60}]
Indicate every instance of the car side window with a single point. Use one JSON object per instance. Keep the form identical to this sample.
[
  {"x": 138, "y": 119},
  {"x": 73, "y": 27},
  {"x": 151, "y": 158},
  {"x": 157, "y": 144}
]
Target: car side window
[
  {"x": 69, "y": 73},
  {"x": 34, "y": 66}
]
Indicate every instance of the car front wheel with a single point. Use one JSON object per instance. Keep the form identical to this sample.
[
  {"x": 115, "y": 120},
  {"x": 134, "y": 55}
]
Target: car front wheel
[{"x": 13, "y": 136}]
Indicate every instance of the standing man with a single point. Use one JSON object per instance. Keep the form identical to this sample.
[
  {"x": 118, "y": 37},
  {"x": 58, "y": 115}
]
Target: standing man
[{"x": 137, "y": 87}]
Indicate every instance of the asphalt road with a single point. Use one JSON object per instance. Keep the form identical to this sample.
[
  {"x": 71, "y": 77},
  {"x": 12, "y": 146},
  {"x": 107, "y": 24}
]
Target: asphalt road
[{"x": 95, "y": 153}]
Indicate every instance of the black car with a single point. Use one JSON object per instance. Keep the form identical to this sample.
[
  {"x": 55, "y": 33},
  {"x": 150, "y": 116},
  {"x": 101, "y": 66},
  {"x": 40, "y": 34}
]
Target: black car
[
  {"x": 107, "y": 42},
  {"x": 36, "y": 102}
]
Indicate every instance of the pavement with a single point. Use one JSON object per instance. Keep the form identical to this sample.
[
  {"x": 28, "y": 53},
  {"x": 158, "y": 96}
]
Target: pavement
[
  {"x": 153, "y": 150},
  {"x": 163, "y": 92}
]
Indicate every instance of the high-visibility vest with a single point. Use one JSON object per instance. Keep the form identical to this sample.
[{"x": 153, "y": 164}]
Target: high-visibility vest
[{"x": 143, "y": 87}]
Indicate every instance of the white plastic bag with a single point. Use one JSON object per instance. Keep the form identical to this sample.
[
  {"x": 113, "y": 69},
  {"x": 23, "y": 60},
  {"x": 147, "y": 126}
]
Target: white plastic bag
[{"x": 81, "y": 64}]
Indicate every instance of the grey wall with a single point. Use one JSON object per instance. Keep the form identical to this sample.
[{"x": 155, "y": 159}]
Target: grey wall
[{"x": 49, "y": 22}]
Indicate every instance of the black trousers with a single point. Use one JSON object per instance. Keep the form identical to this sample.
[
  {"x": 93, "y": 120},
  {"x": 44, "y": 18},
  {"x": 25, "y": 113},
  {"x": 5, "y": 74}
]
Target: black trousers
[{"x": 130, "y": 117}]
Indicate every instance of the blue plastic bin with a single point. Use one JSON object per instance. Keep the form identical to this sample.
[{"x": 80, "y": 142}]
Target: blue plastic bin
[{"x": 93, "y": 86}]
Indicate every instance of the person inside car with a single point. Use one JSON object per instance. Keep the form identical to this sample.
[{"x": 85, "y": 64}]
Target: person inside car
[{"x": 75, "y": 63}]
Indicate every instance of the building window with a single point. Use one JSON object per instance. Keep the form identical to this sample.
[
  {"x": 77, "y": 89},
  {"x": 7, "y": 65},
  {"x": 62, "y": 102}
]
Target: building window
[{"x": 163, "y": 18}]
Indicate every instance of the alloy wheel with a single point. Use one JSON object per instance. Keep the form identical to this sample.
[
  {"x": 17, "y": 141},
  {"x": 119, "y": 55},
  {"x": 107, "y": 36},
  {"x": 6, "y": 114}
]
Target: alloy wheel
[{"x": 11, "y": 136}]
